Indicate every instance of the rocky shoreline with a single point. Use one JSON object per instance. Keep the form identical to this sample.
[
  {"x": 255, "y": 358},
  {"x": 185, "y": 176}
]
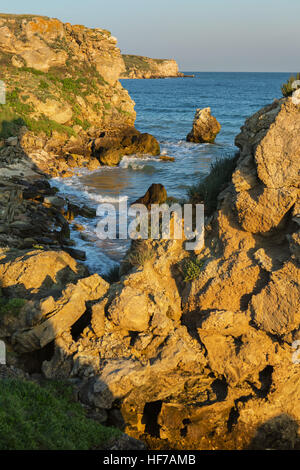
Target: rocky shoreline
[
  {"x": 200, "y": 365},
  {"x": 185, "y": 350}
]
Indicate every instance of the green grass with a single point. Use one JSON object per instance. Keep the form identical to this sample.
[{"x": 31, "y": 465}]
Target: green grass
[
  {"x": 10, "y": 122},
  {"x": 62, "y": 84},
  {"x": 286, "y": 88},
  {"x": 48, "y": 126},
  {"x": 31, "y": 70},
  {"x": 207, "y": 190},
  {"x": 44, "y": 85},
  {"x": 46, "y": 418},
  {"x": 11, "y": 307},
  {"x": 135, "y": 61}
]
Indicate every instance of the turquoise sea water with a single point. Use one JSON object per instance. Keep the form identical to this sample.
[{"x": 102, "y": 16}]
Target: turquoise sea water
[{"x": 166, "y": 108}]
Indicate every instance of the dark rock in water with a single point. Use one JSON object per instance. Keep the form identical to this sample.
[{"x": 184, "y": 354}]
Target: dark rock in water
[
  {"x": 205, "y": 127},
  {"x": 77, "y": 254},
  {"x": 156, "y": 194},
  {"x": 55, "y": 201},
  {"x": 85, "y": 211},
  {"x": 110, "y": 147}
]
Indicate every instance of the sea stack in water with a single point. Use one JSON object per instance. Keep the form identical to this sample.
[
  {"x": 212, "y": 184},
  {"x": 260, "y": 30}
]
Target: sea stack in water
[
  {"x": 205, "y": 127},
  {"x": 156, "y": 194}
]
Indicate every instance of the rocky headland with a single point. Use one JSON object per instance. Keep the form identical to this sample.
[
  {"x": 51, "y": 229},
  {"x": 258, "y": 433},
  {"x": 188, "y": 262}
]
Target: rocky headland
[
  {"x": 186, "y": 350},
  {"x": 145, "y": 67},
  {"x": 63, "y": 97}
]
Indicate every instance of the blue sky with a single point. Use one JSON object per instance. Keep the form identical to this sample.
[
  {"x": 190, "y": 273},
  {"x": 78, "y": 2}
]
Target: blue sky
[{"x": 212, "y": 35}]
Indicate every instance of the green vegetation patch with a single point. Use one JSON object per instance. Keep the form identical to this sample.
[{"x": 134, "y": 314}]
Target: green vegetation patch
[
  {"x": 60, "y": 84},
  {"x": 46, "y": 418},
  {"x": 136, "y": 61},
  {"x": 207, "y": 190},
  {"x": 287, "y": 89},
  {"x": 191, "y": 269},
  {"x": 11, "y": 307}
]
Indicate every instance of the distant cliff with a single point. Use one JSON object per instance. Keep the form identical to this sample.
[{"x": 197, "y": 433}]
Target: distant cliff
[{"x": 145, "y": 67}]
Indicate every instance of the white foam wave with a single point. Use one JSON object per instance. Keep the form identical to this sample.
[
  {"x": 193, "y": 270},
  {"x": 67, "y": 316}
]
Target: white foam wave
[
  {"x": 104, "y": 198},
  {"x": 134, "y": 162}
]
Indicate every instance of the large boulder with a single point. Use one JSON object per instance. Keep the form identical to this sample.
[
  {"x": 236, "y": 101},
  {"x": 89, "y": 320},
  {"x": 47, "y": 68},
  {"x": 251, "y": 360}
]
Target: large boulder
[
  {"x": 205, "y": 127},
  {"x": 109, "y": 147},
  {"x": 155, "y": 194},
  {"x": 266, "y": 179},
  {"x": 36, "y": 272}
]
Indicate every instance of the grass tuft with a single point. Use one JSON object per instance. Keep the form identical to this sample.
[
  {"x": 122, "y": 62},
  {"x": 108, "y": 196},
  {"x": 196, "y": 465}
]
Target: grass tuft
[
  {"x": 287, "y": 89},
  {"x": 140, "y": 253},
  {"x": 207, "y": 190},
  {"x": 113, "y": 275}
]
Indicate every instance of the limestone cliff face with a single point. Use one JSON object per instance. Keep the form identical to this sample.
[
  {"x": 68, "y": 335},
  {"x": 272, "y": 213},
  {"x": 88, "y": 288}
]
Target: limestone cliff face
[
  {"x": 43, "y": 43},
  {"x": 63, "y": 94},
  {"x": 145, "y": 67}
]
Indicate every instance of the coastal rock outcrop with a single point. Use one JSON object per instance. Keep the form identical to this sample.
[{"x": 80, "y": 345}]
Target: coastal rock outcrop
[
  {"x": 186, "y": 350},
  {"x": 205, "y": 127},
  {"x": 145, "y": 67},
  {"x": 269, "y": 141},
  {"x": 63, "y": 95},
  {"x": 156, "y": 194},
  {"x": 211, "y": 358}
]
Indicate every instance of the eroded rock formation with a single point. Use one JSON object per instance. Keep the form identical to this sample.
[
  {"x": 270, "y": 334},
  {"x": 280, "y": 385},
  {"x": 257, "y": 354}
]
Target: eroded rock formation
[
  {"x": 63, "y": 95},
  {"x": 205, "y": 127},
  {"x": 206, "y": 363}
]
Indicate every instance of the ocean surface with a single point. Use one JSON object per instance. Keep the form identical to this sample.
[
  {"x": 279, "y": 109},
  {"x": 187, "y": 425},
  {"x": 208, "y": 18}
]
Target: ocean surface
[{"x": 166, "y": 108}]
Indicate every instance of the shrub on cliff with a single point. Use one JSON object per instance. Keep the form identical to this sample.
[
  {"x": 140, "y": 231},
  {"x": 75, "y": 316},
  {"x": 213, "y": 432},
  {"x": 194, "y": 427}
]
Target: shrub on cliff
[
  {"x": 287, "y": 89},
  {"x": 207, "y": 190},
  {"x": 191, "y": 269},
  {"x": 140, "y": 253},
  {"x": 11, "y": 306},
  {"x": 46, "y": 418}
]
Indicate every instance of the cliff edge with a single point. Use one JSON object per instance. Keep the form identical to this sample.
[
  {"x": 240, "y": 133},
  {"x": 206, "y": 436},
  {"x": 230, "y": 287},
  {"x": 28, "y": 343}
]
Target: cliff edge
[
  {"x": 145, "y": 67},
  {"x": 63, "y": 93}
]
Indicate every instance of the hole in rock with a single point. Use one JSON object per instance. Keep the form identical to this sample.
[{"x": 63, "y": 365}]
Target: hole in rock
[
  {"x": 183, "y": 431},
  {"x": 233, "y": 418},
  {"x": 235, "y": 413},
  {"x": 81, "y": 324},
  {"x": 32, "y": 362},
  {"x": 133, "y": 336},
  {"x": 220, "y": 388},
  {"x": 265, "y": 378},
  {"x": 150, "y": 417}
]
